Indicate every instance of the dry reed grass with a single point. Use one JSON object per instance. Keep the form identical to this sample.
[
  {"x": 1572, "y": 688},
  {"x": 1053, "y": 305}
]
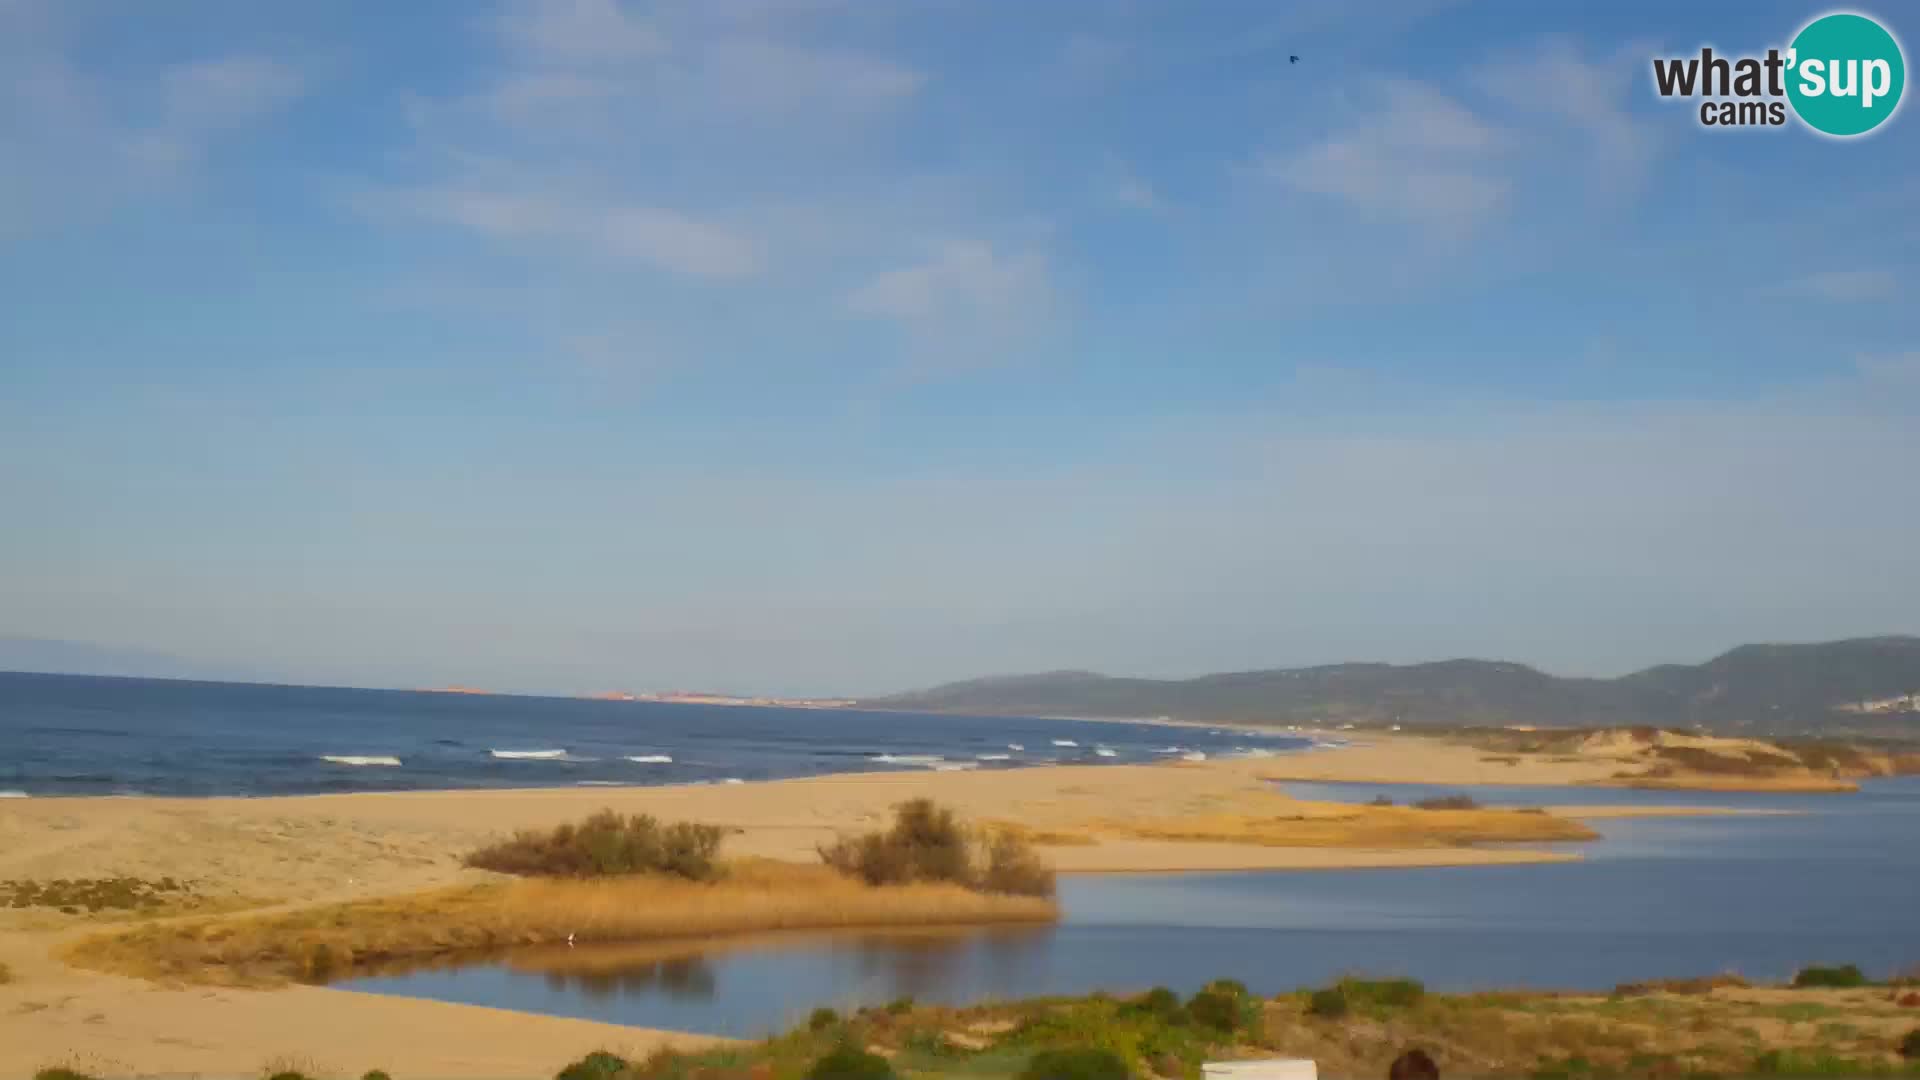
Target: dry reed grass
[
  {"x": 1316, "y": 825},
  {"x": 322, "y": 942}
]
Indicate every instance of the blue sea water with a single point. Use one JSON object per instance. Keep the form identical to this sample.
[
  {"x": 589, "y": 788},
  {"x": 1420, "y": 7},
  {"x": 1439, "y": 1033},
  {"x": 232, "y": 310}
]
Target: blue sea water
[{"x": 84, "y": 735}]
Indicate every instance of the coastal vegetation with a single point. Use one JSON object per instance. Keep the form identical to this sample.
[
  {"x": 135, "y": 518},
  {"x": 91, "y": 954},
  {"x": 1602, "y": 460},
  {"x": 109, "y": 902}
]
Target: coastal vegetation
[
  {"x": 75, "y": 895},
  {"x": 1727, "y": 1031},
  {"x": 323, "y": 942},
  {"x": 1703, "y": 1029},
  {"x": 608, "y": 845},
  {"x": 927, "y": 844}
]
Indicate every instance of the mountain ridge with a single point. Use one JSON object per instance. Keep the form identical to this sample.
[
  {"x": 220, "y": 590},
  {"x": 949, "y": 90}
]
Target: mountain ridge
[{"x": 1772, "y": 687}]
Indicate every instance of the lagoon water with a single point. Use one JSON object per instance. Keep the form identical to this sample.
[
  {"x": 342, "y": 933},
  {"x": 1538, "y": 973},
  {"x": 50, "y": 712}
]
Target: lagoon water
[{"x": 1835, "y": 881}]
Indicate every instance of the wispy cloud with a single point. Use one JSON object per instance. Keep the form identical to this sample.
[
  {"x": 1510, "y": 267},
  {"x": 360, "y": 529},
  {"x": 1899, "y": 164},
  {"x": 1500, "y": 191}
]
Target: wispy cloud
[
  {"x": 1417, "y": 157},
  {"x": 663, "y": 238},
  {"x": 1585, "y": 101},
  {"x": 963, "y": 304},
  {"x": 74, "y": 140},
  {"x": 1846, "y": 286}
]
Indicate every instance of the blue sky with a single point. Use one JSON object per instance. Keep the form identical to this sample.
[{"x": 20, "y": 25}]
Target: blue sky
[{"x": 844, "y": 346}]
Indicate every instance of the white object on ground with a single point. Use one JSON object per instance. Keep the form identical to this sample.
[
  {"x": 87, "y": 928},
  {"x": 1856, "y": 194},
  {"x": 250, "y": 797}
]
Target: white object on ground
[{"x": 1264, "y": 1069}]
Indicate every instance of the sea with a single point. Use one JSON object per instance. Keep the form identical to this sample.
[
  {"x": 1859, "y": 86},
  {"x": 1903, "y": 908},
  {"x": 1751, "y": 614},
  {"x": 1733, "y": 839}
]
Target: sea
[{"x": 87, "y": 735}]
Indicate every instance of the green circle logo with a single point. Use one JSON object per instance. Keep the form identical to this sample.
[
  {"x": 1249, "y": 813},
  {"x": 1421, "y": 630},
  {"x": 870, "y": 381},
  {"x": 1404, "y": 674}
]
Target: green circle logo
[{"x": 1845, "y": 74}]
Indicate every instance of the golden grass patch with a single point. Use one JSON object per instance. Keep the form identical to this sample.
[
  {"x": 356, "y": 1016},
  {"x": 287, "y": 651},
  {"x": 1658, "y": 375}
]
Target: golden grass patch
[
  {"x": 326, "y": 941},
  {"x": 1327, "y": 825}
]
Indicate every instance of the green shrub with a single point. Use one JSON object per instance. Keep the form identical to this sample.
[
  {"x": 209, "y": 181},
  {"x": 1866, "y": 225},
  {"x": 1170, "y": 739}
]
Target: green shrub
[
  {"x": 1383, "y": 993},
  {"x": 1160, "y": 1003},
  {"x": 1846, "y": 975},
  {"x": 375, "y": 1074},
  {"x": 926, "y": 843},
  {"x": 1802, "y": 1063},
  {"x": 900, "y": 1006},
  {"x": 1328, "y": 1004},
  {"x": 607, "y": 845},
  {"x": 1081, "y": 1063},
  {"x": 1910, "y": 1046},
  {"x": 850, "y": 1062},
  {"x": 822, "y": 1019},
  {"x": 598, "y": 1065},
  {"x": 1223, "y": 1006},
  {"x": 288, "y": 1074},
  {"x": 1014, "y": 868},
  {"x": 60, "y": 1072}
]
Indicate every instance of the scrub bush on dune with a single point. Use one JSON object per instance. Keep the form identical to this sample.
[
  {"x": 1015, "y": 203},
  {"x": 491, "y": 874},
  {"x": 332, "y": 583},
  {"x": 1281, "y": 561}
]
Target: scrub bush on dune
[
  {"x": 607, "y": 845},
  {"x": 926, "y": 843}
]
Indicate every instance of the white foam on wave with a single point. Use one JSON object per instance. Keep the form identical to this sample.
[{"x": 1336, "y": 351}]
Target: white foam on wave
[
  {"x": 1252, "y": 752},
  {"x": 1065, "y": 742},
  {"x": 1017, "y": 748},
  {"x": 528, "y": 755},
  {"x": 1194, "y": 755},
  {"x": 733, "y": 780},
  {"x": 993, "y": 757},
  {"x": 14, "y": 795},
  {"x": 1102, "y": 751},
  {"x": 382, "y": 760},
  {"x": 955, "y": 766},
  {"x": 597, "y": 783},
  {"x": 929, "y": 760},
  {"x": 1171, "y": 750},
  {"x": 650, "y": 759}
]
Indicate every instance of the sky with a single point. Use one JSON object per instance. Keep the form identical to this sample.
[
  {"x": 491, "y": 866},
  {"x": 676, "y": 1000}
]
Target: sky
[{"x": 848, "y": 346}]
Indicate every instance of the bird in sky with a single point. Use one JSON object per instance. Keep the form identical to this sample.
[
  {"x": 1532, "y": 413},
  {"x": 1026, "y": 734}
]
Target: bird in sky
[{"x": 1293, "y": 59}]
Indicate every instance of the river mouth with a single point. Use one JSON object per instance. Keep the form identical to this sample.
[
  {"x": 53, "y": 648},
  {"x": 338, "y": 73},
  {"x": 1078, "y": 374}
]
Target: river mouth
[{"x": 1761, "y": 895}]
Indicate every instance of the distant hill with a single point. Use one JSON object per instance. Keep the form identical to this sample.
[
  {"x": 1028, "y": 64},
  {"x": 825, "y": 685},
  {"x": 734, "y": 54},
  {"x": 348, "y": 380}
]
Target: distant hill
[{"x": 1759, "y": 688}]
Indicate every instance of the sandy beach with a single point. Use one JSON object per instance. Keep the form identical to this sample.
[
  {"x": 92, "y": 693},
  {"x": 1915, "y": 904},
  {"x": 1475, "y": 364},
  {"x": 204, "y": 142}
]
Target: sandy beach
[{"x": 268, "y": 853}]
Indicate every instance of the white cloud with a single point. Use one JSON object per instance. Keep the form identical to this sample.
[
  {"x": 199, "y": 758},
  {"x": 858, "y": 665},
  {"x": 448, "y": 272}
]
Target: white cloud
[
  {"x": 1420, "y": 158},
  {"x": 1846, "y": 286},
  {"x": 579, "y": 31},
  {"x": 967, "y": 305},
  {"x": 216, "y": 95},
  {"x": 663, "y": 238},
  {"x": 1587, "y": 99}
]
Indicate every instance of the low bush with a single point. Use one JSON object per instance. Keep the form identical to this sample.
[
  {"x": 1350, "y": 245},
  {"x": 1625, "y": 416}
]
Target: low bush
[
  {"x": 1910, "y": 1046},
  {"x": 74, "y": 895},
  {"x": 1699, "y": 985},
  {"x": 1844, "y": 976},
  {"x": 849, "y": 1062},
  {"x": 608, "y": 845},
  {"x": 1084, "y": 1063},
  {"x": 1328, "y": 1004},
  {"x": 60, "y": 1072},
  {"x": 375, "y": 1074},
  {"x": 1447, "y": 802},
  {"x": 927, "y": 844},
  {"x": 6, "y": 974},
  {"x": 1160, "y": 1003},
  {"x": 822, "y": 1019},
  {"x": 1383, "y": 993},
  {"x": 599, "y": 1065},
  {"x": 1225, "y": 1006},
  {"x": 900, "y": 1006}
]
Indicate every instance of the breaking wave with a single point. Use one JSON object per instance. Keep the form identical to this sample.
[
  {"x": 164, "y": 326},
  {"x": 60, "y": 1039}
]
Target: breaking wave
[
  {"x": 386, "y": 760},
  {"x": 650, "y": 759},
  {"x": 528, "y": 755}
]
